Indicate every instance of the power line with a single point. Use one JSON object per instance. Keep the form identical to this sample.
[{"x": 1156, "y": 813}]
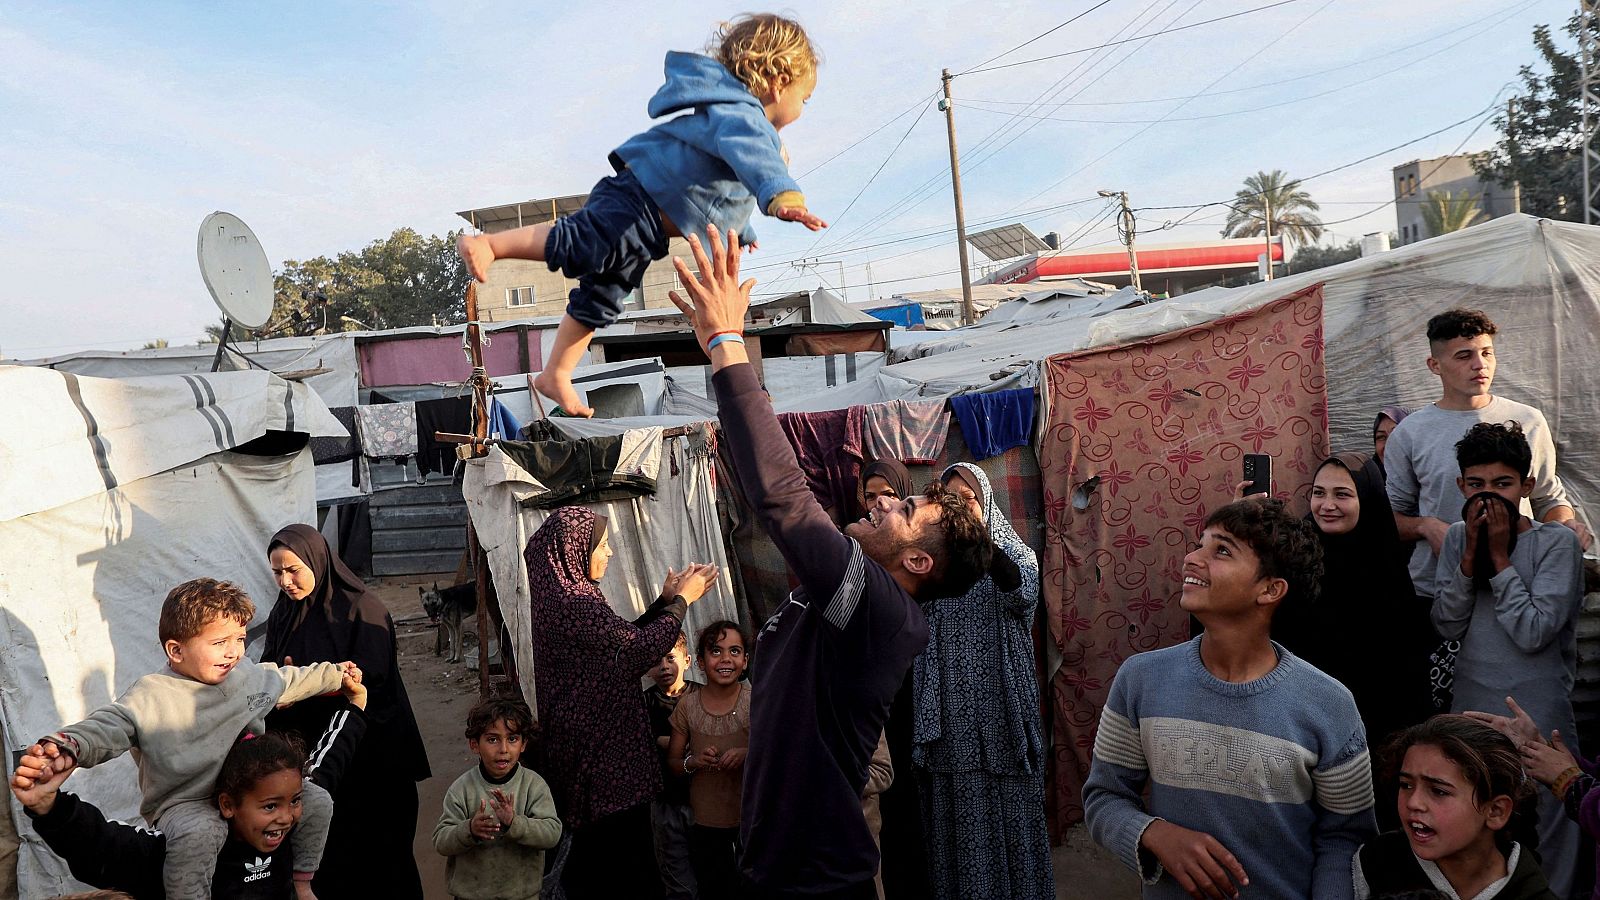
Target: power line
[
  {"x": 1214, "y": 82},
  {"x": 864, "y": 138},
  {"x": 1239, "y": 112},
  {"x": 1508, "y": 10},
  {"x": 1035, "y": 38},
  {"x": 1236, "y": 15},
  {"x": 927, "y": 189},
  {"x": 874, "y": 177},
  {"x": 1340, "y": 168}
]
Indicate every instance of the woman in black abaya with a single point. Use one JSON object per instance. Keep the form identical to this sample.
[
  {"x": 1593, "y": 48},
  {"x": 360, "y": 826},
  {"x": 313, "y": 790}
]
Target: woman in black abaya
[{"x": 324, "y": 614}]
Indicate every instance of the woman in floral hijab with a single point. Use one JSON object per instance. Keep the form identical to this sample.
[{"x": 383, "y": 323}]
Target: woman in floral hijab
[
  {"x": 596, "y": 749},
  {"x": 979, "y": 743}
]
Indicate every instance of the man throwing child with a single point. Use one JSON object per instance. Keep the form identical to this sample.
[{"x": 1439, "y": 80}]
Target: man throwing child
[{"x": 829, "y": 661}]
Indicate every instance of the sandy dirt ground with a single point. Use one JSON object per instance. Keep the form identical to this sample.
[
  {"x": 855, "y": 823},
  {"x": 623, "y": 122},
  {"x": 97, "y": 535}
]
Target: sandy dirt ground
[{"x": 442, "y": 693}]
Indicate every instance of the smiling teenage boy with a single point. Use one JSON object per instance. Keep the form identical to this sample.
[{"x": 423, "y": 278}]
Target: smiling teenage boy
[
  {"x": 499, "y": 816},
  {"x": 1420, "y": 456},
  {"x": 1510, "y": 590},
  {"x": 1256, "y": 762}
]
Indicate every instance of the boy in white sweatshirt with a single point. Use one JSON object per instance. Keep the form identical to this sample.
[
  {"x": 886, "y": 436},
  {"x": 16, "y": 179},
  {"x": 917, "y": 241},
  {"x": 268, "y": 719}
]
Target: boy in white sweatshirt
[{"x": 181, "y": 722}]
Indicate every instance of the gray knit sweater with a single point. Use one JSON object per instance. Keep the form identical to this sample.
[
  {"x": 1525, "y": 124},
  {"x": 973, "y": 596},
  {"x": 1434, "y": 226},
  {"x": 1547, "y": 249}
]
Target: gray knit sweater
[{"x": 180, "y": 730}]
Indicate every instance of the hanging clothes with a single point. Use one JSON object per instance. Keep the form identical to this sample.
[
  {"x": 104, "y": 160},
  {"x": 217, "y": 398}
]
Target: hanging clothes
[
  {"x": 589, "y": 470},
  {"x": 451, "y": 414},
  {"x": 994, "y": 422},
  {"x": 387, "y": 429},
  {"x": 502, "y": 423},
  {"x": 911, "y": 431},
  {"x": 325, "y": 450},
  {"x": 828, "y": 447}
]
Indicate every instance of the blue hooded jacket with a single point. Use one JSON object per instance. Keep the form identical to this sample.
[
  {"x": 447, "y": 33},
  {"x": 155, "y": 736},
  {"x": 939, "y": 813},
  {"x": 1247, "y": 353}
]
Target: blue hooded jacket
[{"x": 714, "y": 165}]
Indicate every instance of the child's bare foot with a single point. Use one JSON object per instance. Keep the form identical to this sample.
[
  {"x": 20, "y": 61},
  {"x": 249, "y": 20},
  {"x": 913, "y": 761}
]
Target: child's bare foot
[
  {"x": 558, "y": 387},
  {"x": 476, "y": 254}
]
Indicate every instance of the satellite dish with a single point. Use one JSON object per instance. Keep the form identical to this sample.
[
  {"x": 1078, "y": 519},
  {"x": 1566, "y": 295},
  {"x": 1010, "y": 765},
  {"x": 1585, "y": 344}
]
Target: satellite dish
[{"x": 235, "y": 270}]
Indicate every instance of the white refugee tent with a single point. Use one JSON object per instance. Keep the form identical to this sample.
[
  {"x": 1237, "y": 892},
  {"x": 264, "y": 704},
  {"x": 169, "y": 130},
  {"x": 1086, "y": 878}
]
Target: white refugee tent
[
  {"x": 1538, "y": 279},
  {"x": 115, "y": 491},
  {"x": 340, "y": 385}
]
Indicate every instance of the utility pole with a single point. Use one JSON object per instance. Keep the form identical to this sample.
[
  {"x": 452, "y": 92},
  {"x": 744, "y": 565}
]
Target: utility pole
[
  {"x": 1589, "y": 103},
  {"x": 1267, "y": 200},
  {"x": 948, "y": 106},
  {"x": 1511, "y": 139},
  {"x": 1127, "y": 230}
]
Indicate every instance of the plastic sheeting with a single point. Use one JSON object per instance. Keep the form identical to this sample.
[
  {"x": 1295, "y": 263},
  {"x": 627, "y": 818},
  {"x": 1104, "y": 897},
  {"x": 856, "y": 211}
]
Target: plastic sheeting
[
  {"x": 81, "y": 590},
  {"x": 674, "y": 527},
  {"x": 73, "y": 437},
  {"x": 334, "y": 351}
]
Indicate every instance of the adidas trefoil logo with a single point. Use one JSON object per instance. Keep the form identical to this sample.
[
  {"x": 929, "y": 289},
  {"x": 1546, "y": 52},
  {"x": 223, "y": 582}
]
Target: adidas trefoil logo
[{"x": 255, "y": 871}]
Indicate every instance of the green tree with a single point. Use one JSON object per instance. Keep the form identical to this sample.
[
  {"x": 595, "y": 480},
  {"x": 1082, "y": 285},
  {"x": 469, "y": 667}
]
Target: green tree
[
  {"x": 1318, "y": 256},
  {"x": 157, "y": 344},
  {"x": 394, "y": 282},
  {"x": 1293, "y": 211},
  {"x": 1541, "y": 134},
  {"x": 1446, "y": 211}
]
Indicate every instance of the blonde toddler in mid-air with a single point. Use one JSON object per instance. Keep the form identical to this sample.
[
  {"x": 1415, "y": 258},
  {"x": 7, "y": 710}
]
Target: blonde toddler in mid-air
[{"x": 713, "y": 166}]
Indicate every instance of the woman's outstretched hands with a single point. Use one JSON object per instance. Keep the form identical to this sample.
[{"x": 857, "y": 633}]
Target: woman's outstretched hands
[
  {"x": 717, "y": 301},
  {"x": 690, "y": 583}
]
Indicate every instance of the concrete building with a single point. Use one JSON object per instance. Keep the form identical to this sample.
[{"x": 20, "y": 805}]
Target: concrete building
[
  {"x": 1415, "y": 180},
  {"x": 519, "y": 289}
]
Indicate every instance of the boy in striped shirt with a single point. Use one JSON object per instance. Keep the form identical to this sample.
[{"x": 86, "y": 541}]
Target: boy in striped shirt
[{"x": 1256, "y": 762}]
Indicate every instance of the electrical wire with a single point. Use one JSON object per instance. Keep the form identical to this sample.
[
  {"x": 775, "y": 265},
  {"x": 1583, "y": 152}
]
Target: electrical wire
[
  {"x": 1508, "y": 10},
  {"x": 978, "y": 155},
  {"x": 1239, "y": 112},
  {"x": 876, "y": 172},
  {"x": 1214, "y": 82},
  {"x": 1037, "y": 37},
  {"x": 1225, "y": 18}
]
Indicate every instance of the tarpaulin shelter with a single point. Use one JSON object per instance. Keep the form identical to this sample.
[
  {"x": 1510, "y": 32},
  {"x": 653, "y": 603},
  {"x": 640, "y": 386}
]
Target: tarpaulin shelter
[{"x": 117, "y": 490}]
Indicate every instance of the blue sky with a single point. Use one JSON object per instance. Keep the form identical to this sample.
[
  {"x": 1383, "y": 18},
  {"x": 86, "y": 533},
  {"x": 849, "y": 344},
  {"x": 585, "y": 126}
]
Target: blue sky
[{"x": 326, "y": 125}]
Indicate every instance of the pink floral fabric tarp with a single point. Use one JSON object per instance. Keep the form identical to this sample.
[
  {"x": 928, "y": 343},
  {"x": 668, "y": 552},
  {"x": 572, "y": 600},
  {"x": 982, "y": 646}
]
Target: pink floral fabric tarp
[{"x": 1164, "y": 425}]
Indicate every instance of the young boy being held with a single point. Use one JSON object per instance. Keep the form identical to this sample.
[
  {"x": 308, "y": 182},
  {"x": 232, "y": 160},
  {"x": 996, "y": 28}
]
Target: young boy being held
[
  {"x": 1256, "y": 762},
  {"x": 498, "y": 817},
  {"x": 1510, "y": 590},
  {"x": 712, "y": 166},
  {"x": 181, "y": 723}
]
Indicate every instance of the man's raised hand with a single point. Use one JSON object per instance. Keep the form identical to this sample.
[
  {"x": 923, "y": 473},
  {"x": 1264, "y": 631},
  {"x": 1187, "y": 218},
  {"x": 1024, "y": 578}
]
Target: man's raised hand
[{"x": 717, "y": 301}]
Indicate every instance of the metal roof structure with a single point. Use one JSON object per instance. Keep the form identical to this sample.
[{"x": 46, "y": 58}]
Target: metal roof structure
[
  {"x": 1007, "y": 242},
  {"x": 491, "y": 219}
]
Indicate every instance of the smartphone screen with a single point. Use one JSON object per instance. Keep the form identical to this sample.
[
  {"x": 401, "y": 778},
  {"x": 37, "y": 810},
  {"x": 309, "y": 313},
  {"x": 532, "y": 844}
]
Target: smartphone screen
[{"x": 1257, "y": 471}]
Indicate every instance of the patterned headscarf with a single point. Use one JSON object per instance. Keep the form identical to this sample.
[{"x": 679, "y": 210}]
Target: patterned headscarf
[{"x": 558, "y": 557}]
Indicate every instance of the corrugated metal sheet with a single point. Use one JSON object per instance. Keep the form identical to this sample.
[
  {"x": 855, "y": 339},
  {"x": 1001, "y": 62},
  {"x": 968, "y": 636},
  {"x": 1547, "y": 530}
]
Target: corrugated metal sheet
[{"x": 417, "y": 529}]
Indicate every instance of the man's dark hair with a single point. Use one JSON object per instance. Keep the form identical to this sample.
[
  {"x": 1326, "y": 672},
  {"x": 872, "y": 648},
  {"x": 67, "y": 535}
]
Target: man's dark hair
[
  {"x": 1491, "y": 442},
  {"x": 1459, "y": 323},
  {"x": 193, "y": 605},
  {"x": 1286, "y": 546},
  {"x": 959, "y": 545},
  {"x": 518, "y": 718}
]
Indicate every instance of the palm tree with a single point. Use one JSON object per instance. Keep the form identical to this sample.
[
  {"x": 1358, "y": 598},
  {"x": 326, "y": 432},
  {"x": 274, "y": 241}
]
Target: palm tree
[
  {"x": 1292, "y": 209},
  {"x": 1446, "y": 211}
]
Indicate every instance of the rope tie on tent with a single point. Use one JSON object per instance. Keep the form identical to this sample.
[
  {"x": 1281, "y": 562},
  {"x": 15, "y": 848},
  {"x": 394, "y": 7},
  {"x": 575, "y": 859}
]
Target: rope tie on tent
[{"x": 484, "y": 340}]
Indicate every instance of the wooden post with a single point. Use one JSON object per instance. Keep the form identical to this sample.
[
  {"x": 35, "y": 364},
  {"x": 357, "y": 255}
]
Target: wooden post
[{"x": 480, "y": 430}]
